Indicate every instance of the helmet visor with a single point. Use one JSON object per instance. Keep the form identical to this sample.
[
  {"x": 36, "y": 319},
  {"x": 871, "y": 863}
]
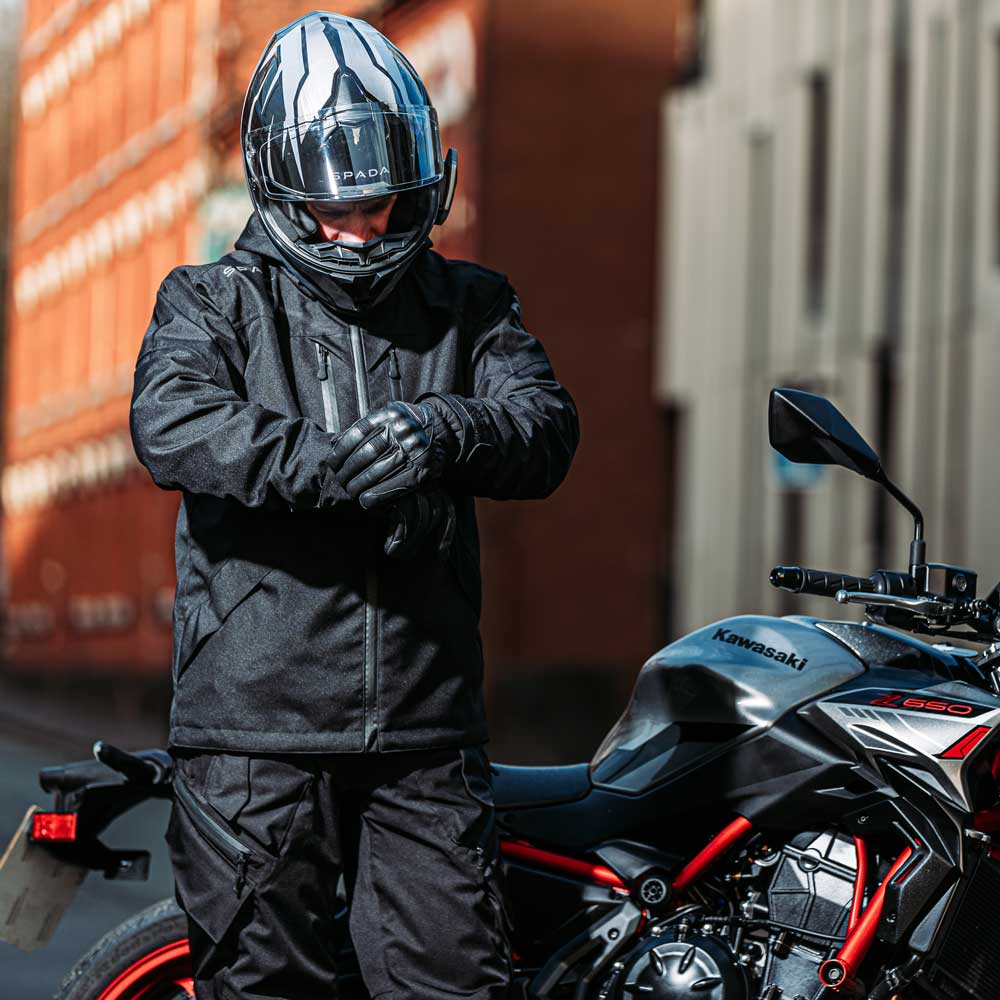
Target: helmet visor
[{"x": 359, "y": 151}]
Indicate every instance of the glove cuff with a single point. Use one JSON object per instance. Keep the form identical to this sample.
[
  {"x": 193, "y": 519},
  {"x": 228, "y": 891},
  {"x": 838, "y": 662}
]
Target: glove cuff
[{"x": 448, "y": 424}]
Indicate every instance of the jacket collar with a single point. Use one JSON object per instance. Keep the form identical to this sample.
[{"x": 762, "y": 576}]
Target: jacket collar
[{"x": 334, "y": 335}]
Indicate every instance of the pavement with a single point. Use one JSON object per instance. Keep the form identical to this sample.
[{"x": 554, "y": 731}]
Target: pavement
[{"x": 36, "y": 731}]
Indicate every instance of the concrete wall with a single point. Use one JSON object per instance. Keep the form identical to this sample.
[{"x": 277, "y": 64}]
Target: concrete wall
[{"x": 901, "y": 336}]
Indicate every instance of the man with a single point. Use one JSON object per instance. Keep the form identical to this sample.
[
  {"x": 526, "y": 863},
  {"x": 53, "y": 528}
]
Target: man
[{"x": 329, "y": 399}]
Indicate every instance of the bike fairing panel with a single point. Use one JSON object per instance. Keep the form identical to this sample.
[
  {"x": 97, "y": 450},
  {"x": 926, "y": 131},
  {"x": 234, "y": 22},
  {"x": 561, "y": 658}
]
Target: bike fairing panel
[{"x": 885, "y": 723}]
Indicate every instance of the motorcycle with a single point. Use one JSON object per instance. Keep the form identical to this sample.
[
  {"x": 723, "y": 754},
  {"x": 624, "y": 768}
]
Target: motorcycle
[{"x": 791, "y": 807}]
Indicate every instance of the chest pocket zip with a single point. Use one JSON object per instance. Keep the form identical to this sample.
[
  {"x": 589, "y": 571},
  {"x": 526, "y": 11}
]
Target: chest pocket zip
[
  {"x": 395, "y": 382},
  {"x": 330, "y": 412}
]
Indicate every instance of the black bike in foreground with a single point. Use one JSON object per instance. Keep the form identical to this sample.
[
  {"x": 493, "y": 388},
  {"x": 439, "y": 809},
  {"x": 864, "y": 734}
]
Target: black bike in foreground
[{"x": 788, "y": 808}]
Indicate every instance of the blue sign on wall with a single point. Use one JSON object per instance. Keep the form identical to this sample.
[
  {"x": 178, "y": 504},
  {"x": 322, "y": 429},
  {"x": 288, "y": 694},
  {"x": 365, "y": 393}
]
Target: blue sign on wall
[{"x": 796, "y": 475}]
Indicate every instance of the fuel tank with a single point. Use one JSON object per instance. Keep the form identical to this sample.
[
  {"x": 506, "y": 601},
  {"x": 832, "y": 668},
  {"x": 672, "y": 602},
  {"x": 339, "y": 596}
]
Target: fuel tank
[{"x": 695, "y": 699}]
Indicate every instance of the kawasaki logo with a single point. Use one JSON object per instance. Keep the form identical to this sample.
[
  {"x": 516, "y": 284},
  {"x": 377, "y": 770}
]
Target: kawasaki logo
[{"x": 779, "y": 656}]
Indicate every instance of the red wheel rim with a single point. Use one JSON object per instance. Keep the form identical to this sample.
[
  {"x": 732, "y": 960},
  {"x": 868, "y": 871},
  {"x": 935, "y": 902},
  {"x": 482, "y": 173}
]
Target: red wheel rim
[{"x": 159, "y": 974}]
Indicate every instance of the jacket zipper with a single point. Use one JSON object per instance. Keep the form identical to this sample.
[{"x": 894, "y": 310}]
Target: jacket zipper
[
  {"x": 395, "y": 382},
  {"x": 371, "y": 572},
  {"x": 330, "y": 412},
  {"x": 234, "y": 852}
]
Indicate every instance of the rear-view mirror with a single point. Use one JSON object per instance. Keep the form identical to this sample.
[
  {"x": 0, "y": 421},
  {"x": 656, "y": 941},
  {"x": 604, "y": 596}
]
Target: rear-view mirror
[{"x": 807, "y": 428}]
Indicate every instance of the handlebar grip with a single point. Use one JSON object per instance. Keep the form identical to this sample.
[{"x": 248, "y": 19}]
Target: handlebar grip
[
  {"x": 821, "y": 582},
  {"x": 135, "y": 768}
]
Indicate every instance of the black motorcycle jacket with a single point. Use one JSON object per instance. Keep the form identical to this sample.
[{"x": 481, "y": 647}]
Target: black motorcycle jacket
[{"x": 292, "y": 631}]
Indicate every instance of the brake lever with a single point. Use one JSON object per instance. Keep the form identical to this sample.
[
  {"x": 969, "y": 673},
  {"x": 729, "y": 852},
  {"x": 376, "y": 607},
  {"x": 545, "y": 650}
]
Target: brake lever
[{"x": 927, "y": 607}]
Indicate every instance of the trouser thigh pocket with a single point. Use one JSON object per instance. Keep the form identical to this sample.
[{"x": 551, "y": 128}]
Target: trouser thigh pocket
[{"x": 215, "y": 872}]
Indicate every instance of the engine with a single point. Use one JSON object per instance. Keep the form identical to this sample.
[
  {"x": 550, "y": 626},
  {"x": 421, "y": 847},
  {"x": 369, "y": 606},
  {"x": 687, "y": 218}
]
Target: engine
[
  {"x": 668, "y": 967},
  {"x": 761, "y": 935}
]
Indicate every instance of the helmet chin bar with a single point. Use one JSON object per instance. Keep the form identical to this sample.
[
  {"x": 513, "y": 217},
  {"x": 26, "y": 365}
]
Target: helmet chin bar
[
  {"x": 351, "y": 298},
  {"x": 361, "y": 258},
  {"x": 349, "y": 291},
  {"x": 354, "y": 277}
]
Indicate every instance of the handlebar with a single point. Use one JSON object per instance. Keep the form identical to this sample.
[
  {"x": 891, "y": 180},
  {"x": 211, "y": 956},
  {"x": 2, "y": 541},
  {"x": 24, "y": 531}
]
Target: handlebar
[
  {"x": 144, "y": 768},
  {"x": 821, "y": 582},
  {"x": 893, "y": 599}
]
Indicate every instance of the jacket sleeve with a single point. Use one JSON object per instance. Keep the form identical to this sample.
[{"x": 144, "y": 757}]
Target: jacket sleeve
[
  {"x": 519, "y": 430},
  {"x": 194, "y": 431}
]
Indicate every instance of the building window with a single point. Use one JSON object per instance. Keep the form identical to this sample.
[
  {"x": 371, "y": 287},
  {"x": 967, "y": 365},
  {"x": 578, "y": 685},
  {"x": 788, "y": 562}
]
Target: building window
[{"x": 817, "y": 207}]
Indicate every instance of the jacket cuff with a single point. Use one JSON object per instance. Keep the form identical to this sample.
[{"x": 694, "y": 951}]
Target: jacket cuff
[{"x": 330, "y": 491}]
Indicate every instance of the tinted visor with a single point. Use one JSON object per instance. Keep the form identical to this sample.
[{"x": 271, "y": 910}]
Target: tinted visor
[{"x": 360, "y": 151}]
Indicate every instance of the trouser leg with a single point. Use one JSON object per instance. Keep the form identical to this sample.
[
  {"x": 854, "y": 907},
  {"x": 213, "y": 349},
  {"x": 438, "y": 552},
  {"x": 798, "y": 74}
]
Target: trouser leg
[
  {"x": 414, "y": 834},
  {"x": 273, "y": 935},
  {"x": 429, "y": 918}
]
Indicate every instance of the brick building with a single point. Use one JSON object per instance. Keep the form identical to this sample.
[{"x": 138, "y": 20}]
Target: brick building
[{"x": 127, "y": 163}]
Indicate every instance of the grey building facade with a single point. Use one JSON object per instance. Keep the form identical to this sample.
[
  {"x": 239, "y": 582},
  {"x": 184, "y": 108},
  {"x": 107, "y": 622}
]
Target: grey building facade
[{"x": 831, "y": 220}]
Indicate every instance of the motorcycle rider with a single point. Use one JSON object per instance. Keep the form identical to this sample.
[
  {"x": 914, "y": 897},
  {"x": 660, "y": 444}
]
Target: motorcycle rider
[{"x": 330, "y": 398}]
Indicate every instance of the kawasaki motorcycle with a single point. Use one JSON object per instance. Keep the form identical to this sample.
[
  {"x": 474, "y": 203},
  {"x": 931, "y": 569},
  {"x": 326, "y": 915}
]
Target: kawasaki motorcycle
[{"x": 795, "y": 807}]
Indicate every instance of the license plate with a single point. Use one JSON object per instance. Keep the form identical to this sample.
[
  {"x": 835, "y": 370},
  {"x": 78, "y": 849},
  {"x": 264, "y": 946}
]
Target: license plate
[{"x": 35, "y": 889}]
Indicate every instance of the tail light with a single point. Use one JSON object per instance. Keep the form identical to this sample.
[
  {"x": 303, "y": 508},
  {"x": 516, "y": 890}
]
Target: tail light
[{"x": 53, "y": 827}]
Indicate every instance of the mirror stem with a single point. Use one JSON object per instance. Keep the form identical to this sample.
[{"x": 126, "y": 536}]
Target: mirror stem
[
  {"x": 918, "y": 518},
  {"x": 918, "y": 563},
  {"x": 918, "y": 547}
]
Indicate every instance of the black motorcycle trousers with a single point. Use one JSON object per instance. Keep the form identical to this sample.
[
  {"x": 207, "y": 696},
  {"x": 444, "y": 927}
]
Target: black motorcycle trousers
[{"x": 267, "y": 851}]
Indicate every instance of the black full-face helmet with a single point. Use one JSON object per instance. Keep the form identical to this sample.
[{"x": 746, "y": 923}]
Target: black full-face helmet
[{"x": 335, "y": 112}]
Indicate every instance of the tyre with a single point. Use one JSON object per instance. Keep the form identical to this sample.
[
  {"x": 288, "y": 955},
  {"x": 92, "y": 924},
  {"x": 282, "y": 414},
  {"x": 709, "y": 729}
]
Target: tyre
[{"x": 146, "y": 956}]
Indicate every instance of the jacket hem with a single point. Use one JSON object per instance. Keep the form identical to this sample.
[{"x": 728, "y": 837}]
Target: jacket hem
[
  {"x": 258, "y": 741},
  {"x": 426, "y": 739}
]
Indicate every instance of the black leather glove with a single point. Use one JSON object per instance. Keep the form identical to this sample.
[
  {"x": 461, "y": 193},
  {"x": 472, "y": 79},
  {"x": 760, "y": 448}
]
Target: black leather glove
[
  {"x": 393, "y": 451},
  {"x": 418, "y": 522}
]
